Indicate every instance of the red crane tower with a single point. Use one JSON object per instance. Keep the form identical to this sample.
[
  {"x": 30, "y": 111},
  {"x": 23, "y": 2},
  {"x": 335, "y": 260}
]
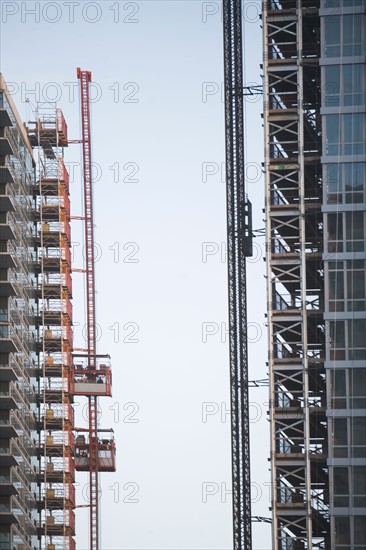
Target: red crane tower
[{"x": 92, "y": 372}]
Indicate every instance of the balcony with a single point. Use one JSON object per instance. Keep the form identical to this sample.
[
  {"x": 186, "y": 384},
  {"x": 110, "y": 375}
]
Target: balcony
[
  {"x": 5, "y": 119},
  {"x": 6, "y": 203},
  {"x": 7, "y": 516},
  {"x": 6, "y": 260},
  {"x": 6, "y": 175},
  {"x": 6, "y": 426},
  {"x": 7, "y": 335},
  {"x": 6, "y": 455},
  {"x": 7, "y": 231},
  {"x": 10, "y": 399},
  {"x": 6, "y": 147}
]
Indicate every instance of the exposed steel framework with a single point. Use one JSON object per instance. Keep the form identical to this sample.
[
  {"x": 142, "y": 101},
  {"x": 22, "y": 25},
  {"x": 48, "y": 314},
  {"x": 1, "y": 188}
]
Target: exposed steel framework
[
  {"x": 292, "y": 99},
  {"x": 239, "y": 246}
]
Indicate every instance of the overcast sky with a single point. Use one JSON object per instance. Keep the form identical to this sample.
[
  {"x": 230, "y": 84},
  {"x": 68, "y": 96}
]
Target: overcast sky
[{"x": 160, "y": 215}]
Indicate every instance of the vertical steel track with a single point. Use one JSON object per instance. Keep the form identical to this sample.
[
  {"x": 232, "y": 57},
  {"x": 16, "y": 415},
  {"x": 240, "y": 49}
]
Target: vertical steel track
[
  {"x": 85, "y": 79},
  {"x": 237, "y": 251}
]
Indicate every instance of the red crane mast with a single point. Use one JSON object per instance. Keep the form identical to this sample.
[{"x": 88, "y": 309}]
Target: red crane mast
[{"x": 85, "y": 79}]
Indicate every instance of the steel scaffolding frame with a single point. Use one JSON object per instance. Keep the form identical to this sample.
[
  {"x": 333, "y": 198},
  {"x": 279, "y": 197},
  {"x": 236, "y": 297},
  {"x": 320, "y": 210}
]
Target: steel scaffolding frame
[
  {"x": 56, "y": 499},
  {"x": 300, "y": 490}
]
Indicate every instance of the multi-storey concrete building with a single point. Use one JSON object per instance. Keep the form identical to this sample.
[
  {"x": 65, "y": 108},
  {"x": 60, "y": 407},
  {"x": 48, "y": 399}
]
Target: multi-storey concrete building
[
  {"x": 40, "y": 373},
  {"x": 36, "y": 428},
  {"x": 315, "y": 102},
  {"x": 18, "y": 335}
]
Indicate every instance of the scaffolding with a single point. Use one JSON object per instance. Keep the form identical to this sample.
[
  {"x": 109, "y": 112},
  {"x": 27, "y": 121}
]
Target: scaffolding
[
  {"x": 56, "y": 492},
  {"x": 300, "y": 493}
]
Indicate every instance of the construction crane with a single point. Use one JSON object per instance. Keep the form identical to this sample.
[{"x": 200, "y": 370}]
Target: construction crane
[
  {"x": 239, "y": 247},
  {"x": 85, "y": 79},
  {"x": 92, "y": 374}
]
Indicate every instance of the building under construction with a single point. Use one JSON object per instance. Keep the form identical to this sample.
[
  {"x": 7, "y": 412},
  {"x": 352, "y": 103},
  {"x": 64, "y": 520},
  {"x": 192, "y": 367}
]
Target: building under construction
[
  {"x": 41, "y": 371},
  {"x": 315, "y": 161},
  {"x": 314, "y": 112}
]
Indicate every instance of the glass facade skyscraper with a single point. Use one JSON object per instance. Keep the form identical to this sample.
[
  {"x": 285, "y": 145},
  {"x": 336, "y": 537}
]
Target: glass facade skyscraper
[
  {"x": 315, "y": 124},
  {"x": 343, "y": 73}
]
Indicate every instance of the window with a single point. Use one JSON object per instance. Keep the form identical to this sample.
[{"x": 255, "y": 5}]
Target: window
[
  {"x": 355, "y": 234},
  {"x": 353, "y": 128},
  {"x": 343, "y": 35},
  {"x": 335, "y": 232},
  {"x": 4, "y": 474},
  {"x": 3, "y": 309},
  {"x": 347, "y": 340},
  {"x": 340, "y": 438},
  {"x": 356, "y": 339},
  {"x": 333, "y": 135},
  {"x": 358, "y": 437},
  {"x": 347, "y": 285},
  {"x": 340, "y": 487},
  {"x": 342, "y": 531},
  {"x": 347, "y": 388},
  {"x": 338, "y": 389},
  {"x": 351, "y": 35},
  {"x": 344, "y": 182},
  {"x": 343, "y": 496},
  {"x": 336, "y": 289},
  {"x": 351, "y": 80},
  {"x": 360, "y": 532},
  {"x": 349, "y": 437},
  {"x": 346, "y": 232},
  {"x": 359, "y": 486},
  {"x": 332, "y": 36},
  {"x": 344, "y": 85},
  {"x": 358, "y": 389},
  {"x": 350, "y": 532},
  {"x": 337, "y": 340},
  {"x": 345, "y": 134},
  {"x": 353, "y": 180},
  {"x": 356, "y": 290},
  {"x": 342, "y": 3},
  {"x": 4, "y": 537}
]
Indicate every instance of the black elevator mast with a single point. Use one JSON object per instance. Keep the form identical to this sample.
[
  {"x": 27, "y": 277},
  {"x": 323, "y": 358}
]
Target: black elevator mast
[{"x": 239, "y": 246}]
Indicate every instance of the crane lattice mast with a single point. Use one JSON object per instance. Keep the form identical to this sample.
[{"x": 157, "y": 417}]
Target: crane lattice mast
[
  {"x": 239, "y": 246},
  {"x": 85, "y": 79}
]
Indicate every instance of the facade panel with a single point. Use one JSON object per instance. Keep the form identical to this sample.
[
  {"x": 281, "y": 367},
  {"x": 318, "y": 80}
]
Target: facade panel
[{"x": 344, "y": 123}]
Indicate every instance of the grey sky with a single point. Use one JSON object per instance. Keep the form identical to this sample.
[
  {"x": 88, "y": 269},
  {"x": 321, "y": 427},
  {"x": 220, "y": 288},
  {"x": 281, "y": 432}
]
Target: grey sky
[{"x": 154, "y": 285}]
